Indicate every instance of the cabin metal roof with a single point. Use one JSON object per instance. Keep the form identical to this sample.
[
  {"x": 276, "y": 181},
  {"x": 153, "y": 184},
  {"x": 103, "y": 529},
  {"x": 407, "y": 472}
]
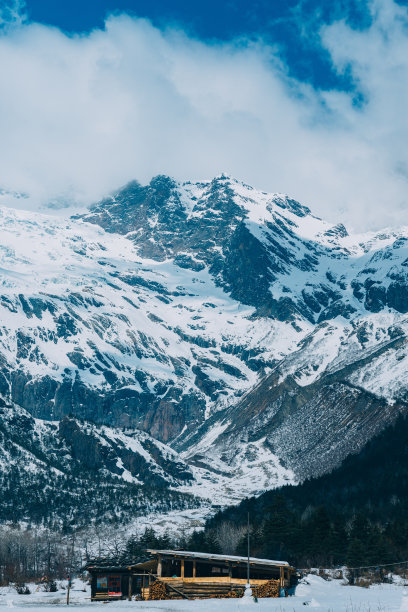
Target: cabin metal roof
[{"x": 211, "y": 557}]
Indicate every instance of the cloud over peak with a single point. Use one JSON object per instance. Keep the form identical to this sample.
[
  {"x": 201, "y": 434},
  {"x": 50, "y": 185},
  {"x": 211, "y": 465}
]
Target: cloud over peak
[{"x": 80, "y": 115}]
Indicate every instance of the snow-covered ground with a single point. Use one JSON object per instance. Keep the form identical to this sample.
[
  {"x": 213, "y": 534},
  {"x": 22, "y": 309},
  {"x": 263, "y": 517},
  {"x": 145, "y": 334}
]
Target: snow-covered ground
[{"x": 314, "y": 592}]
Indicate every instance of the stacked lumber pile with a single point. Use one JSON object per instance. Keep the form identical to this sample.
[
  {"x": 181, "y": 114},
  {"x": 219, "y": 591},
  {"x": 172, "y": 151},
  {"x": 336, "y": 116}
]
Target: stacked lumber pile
[
  {"x": 158, "y": 591},
  {"x": 269, "y": 589},
  {"x": 230, "y": 594},
  {"x": 209, "y": 590}
]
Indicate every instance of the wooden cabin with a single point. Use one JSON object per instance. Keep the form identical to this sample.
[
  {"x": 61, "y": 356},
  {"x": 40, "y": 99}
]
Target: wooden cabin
[
  {"x": 124, "y": 580},
  {"x": 178, "y": 574}
]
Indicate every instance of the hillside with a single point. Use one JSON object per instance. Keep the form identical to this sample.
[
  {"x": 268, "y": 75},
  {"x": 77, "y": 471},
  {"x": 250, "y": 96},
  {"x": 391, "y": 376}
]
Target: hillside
[{"x": 69, "y": 474}]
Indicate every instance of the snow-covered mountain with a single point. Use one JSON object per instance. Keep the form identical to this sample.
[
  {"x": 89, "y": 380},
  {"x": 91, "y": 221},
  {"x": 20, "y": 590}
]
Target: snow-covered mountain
[{"x": 260, "y": 343}]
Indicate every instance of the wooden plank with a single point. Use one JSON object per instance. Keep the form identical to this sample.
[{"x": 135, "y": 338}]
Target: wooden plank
[
  {"x": 182, "y": 568},
  {"x": 159, "y": 566},
  {"x": 194, "y": 568},
  {"x": 177, "y": 591},
  {"x": 145, "y": 593}
]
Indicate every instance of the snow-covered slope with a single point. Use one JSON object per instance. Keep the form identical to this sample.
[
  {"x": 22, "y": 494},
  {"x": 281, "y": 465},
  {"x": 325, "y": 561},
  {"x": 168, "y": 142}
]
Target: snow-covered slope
[
  {"x": 260, "y": 342},
  {"x": 89, "y": 326}
]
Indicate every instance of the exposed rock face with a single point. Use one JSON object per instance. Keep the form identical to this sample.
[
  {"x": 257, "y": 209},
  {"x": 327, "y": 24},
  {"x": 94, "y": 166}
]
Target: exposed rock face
[
  {"x": 71, "y": 446},
  {"x": 140, "y": 456},
  {"x": 229, "y": 323}
]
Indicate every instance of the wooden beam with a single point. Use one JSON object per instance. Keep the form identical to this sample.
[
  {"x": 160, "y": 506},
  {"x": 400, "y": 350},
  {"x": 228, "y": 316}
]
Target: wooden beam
[
  {"x": 194, "y": 568},
  {"x": 282, "y": 577},
  {"x": 159, "y": 566},
  {"x": 215, "y": 580},
  {"x": 130, "y": 588},
  {"x": 182, "y": 568}
]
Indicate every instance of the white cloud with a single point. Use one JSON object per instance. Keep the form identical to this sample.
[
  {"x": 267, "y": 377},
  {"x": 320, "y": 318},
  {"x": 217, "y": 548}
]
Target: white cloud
[
  {"x": 82, "y": 115},
  {"x": 12, "y": 13}
]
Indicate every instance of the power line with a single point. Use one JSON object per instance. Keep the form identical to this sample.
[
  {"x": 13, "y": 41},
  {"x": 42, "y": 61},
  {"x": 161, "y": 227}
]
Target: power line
[{"x": 377, "y": 565}]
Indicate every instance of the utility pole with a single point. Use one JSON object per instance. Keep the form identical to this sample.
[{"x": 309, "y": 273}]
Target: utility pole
[
  {"x": 248, "y": 550},
  {"x": 68, "y": 587},
  {"x": 248, "y": 590}
]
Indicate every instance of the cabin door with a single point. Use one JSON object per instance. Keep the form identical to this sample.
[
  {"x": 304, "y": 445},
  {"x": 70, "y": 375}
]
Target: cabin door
[{"x": 138, "y": 584}]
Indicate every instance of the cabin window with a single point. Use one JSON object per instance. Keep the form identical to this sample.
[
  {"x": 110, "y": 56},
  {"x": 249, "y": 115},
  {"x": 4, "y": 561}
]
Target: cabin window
[
  {"x": 219, "y": 570},
  {"x": 188, "y": 569},
  {"x": 102, "y": 582},
  {"x": 114, "y": 584}
]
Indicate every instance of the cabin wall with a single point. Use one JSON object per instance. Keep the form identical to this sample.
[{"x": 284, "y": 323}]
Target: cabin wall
[
  {"x": 139, "y": 581},
  {"x": 111, "y": 584}
]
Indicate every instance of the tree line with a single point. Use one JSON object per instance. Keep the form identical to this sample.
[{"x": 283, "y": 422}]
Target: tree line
[{"x": 357, "y": 515}]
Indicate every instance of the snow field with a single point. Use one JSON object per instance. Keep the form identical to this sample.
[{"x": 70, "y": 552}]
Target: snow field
[{"x": 314, "y": 592}]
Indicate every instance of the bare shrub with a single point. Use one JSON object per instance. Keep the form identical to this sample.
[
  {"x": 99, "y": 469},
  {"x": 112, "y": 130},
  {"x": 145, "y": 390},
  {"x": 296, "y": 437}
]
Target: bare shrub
[{"x": 228, "y": 537}]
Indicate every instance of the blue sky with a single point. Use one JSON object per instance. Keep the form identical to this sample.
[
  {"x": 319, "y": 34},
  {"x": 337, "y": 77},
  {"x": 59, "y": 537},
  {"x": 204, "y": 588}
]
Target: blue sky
[
  {"x": 292, "y": 24},
  {"x": 305, "y": 97}
]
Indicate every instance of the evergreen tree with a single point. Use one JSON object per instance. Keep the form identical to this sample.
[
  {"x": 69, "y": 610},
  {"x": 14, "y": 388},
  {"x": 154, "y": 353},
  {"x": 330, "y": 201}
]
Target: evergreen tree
[
  {"x": 279, "y": 529},
  {"x": 337, "y": 543},
  {"x": 197, "y": 542},
  {"x": 212, "y": 544},
  {"x": 356, "y": 554}
]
